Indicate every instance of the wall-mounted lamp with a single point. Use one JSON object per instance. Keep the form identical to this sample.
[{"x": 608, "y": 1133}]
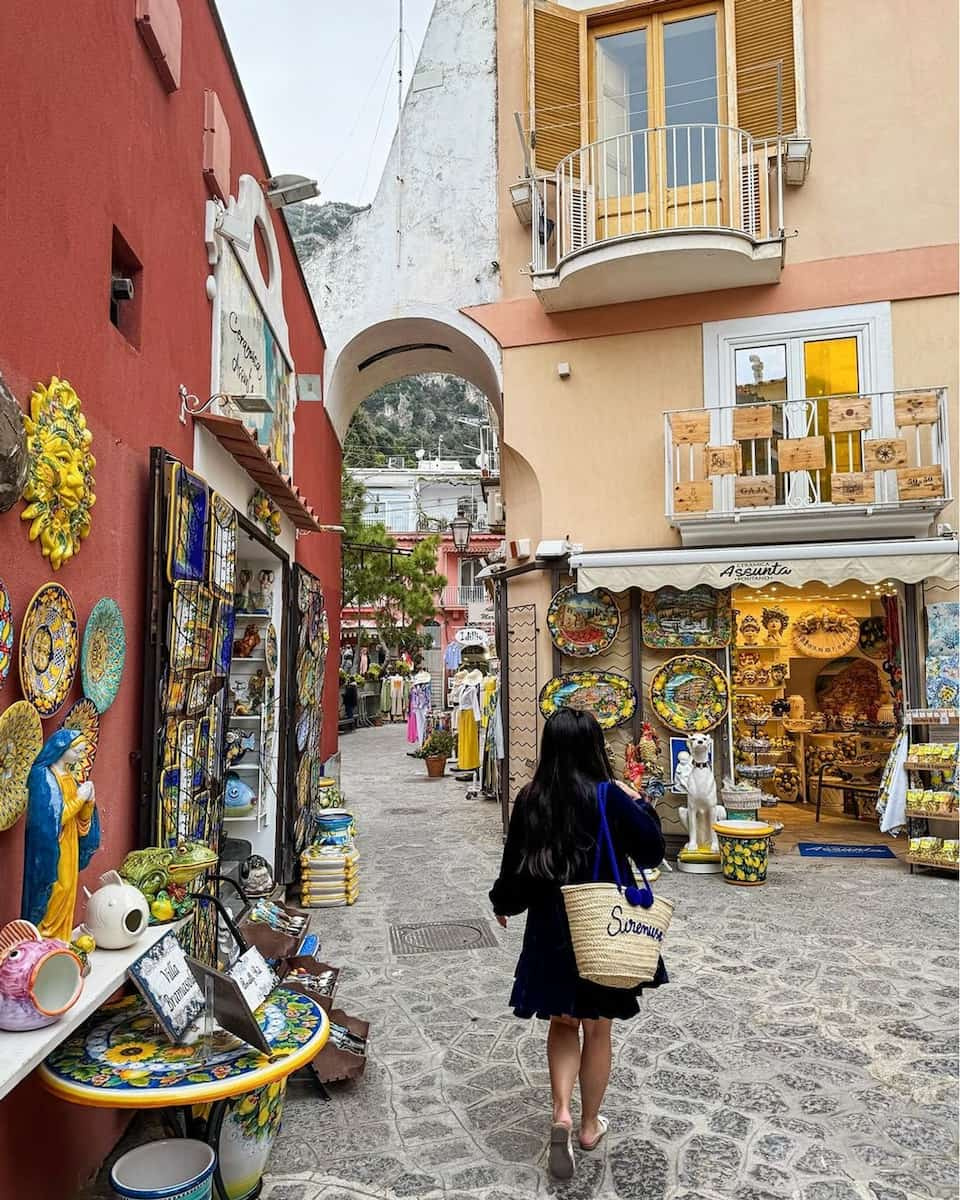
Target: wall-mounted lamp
[
  {"x": 796, "y": 160},
  {"x": 460, "y": 529},
  {"x": 282, "y": 190},
  {"x": 563, "y": 370},
  {"x": 521, "y": 197},
  {"x": 249, "y": 402}
]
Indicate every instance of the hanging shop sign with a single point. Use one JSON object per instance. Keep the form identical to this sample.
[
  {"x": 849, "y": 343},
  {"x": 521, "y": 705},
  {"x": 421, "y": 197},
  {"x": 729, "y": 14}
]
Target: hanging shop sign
[
  {"x": 610, "y": 697},
  {"x": 472, "y": 637},
  {"x": 690, "y": 694},
  {"x": 583, "y": 623},
  {"x": 700, "y": 617},
  {"x": 251, "y": 361}
]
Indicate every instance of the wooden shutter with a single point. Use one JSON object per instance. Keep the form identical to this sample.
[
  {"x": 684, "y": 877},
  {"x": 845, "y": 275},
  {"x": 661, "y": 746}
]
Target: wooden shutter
[
  {"x": 555, "y": 103},
  {"x": 764, "y": 34}
]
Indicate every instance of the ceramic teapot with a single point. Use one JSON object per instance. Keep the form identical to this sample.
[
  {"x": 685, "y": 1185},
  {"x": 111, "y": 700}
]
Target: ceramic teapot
[
  {"x": 117, "y": 912},
  {"x": 40, "y": 978}
]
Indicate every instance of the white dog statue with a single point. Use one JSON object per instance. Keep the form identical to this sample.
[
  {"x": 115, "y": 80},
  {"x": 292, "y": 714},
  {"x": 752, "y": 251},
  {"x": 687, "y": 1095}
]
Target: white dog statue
[{"x": 702, "y": 810}]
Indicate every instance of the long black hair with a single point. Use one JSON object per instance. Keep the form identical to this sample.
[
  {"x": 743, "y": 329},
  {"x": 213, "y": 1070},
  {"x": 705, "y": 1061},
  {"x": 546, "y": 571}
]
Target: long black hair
[{"x": 557, "y": 812}]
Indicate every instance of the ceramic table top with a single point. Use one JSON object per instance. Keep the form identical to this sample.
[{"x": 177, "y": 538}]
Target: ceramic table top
[{"x": 118, "y": 1059}]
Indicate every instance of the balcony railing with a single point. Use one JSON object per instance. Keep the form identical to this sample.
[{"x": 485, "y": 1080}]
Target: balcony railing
[
  {"x": 658, "y": 181},
  {"x": 874, "y": 454},
  {"x": 463, "y": 597}
]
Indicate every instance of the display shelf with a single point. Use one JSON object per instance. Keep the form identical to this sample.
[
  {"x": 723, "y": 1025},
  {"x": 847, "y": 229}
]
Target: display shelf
[
  {"x": 253, "y": 717},
  {"x": 932, "y": 716},
  {"x": 248, "y": 658},
  {"x": 22, "y": 1051},
  {"x": 253, "y": 616},
  {"x": 934, "y": 866},
  {"x": 759, "y": 649},
  {"x": 253, "y": 816},
  {"x": 933, "y": 816},
  {"x": 244, "y": 767}
]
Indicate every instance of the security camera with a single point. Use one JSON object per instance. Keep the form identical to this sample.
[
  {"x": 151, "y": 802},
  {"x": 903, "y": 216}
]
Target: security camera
[{"x": 121, "y": 288}]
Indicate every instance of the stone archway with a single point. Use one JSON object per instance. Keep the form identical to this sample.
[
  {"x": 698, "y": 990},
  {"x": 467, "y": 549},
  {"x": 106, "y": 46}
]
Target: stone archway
[{"x": 412, "y": 342}]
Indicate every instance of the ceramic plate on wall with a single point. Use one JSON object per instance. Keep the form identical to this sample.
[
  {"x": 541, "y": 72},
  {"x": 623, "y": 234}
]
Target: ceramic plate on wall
[
  {"x": 6, "y": 634},
  {"x": 48, "y": 649},
  {"x": 21, "y": 739},
  {"x": 610, "y": 697},
  {"x": 583, "y": 624},
  {"x": 103, "y": 653},
  {"x": 690, "y": 694},
  {"x": 84, "y": 718}
]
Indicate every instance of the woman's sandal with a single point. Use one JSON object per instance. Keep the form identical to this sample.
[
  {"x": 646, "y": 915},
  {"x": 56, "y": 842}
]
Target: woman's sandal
[
  {"x": 561, "y": 1163},
  {"x": 604, "y": 1126}
]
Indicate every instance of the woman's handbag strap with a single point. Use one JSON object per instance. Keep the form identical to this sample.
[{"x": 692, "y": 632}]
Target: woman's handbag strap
[{"x": 638, "y": 897}]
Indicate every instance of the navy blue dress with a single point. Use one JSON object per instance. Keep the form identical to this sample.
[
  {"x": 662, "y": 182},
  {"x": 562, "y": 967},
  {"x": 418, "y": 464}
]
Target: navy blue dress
[{"x": 546, "y": 983}]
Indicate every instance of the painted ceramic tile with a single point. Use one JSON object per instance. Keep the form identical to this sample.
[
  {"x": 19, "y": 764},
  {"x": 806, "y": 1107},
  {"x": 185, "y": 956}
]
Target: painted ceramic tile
[
  {"x": 187, "y": 525},
  {"x": 223, "y": 637},
  {"x": 943, "y": 628},
  {"x": 223, "y": 547},
  {"x": 191, "y": 637},
  {"x": 943, "y": 680},
  {"x": 198, "y": 693},
  {"x": 700, "y": 618}
]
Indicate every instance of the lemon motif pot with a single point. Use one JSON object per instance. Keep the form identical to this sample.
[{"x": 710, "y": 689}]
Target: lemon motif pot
[{"x": 744, "y": 851}]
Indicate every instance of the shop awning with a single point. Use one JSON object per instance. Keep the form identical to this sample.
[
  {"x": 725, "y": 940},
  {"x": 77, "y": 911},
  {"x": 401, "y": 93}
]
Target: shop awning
[
  {"x": 830, "y": 563},
  {"x": 240, "y": 443}
]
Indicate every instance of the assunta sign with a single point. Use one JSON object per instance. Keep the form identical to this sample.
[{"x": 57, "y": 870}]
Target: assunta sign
[{"x": 741, "y": 572}]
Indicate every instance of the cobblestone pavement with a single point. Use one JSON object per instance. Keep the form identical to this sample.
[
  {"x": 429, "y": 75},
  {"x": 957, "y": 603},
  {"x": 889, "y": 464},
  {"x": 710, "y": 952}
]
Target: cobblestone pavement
[{"x": 806, "y": 1048}]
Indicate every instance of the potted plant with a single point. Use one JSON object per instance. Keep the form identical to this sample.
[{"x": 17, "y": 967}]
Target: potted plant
[{"x": 436, "y": 749}]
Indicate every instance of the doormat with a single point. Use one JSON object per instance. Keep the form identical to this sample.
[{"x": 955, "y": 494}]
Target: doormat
[
  {"x": 843, "y": 850},
  {"x": 472, "y": 933}
]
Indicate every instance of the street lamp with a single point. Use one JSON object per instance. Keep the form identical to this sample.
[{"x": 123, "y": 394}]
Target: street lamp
[{"x": 460, "y": 528}]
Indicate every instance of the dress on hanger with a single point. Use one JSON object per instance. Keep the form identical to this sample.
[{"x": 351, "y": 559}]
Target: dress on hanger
[
  {"x": 452, "y": 656},
  {"x": 468, "y": 734},
  {"x": 398, "y": 706},
  {"x": 419, "y": 710}
]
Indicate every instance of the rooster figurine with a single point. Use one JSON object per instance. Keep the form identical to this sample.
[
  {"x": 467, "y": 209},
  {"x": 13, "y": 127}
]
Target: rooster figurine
[{"x": 245, "y": 646}]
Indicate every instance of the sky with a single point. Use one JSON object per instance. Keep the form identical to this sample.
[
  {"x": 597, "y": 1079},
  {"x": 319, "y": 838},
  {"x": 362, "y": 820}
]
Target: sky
[{"x": 321, "y": 80}]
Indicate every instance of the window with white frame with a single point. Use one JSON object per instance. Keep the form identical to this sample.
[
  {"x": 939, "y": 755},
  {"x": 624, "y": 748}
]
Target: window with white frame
[{"x": 794, "y": 362}]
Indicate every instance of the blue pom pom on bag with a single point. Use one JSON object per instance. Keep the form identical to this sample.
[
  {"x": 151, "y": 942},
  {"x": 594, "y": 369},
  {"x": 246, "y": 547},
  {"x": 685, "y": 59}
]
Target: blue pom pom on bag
[{"x": 617, "y": 932}]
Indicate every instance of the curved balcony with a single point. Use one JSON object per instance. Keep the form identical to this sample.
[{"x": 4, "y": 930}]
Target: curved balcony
[{"x": 658, "y": 212}]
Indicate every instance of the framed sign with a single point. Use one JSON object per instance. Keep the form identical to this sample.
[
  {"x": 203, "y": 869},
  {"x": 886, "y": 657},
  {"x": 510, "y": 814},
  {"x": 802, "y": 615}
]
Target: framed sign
[
  {"x": 754, "y": 491},
  {"x": 700, "y": 617},
  {"x": 254, "y": 977},
  {"x": 230, "y": 1010},
  {"x": 165, "y": 981},
  {"x": 470, "y": 636}
]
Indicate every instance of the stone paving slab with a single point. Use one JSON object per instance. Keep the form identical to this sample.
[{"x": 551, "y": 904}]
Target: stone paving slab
[{"x": 806, "y": 1050}]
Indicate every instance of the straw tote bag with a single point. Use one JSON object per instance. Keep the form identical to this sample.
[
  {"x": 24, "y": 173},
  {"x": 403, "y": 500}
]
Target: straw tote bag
[{"x": 617, "y": 932}]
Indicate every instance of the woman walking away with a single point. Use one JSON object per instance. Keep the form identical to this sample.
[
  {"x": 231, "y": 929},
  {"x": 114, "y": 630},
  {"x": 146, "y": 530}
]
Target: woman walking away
[{"x": 552, "y": 841}]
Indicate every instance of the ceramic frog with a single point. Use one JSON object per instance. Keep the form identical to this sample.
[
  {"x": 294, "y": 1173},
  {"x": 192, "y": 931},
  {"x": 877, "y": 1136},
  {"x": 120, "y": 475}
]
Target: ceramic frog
[{"x": 163, "y": 873}]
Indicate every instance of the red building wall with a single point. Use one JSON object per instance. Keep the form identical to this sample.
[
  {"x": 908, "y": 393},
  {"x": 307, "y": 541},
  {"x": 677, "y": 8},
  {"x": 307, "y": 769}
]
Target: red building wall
[{"x": 90, "y": 141}]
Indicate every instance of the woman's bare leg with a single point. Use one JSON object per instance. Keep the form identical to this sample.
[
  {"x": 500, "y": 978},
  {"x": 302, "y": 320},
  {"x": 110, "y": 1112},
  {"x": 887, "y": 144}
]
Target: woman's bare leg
[
  {"x": 594, "y": 1076},
  {"x": 563, "y": 1057}
]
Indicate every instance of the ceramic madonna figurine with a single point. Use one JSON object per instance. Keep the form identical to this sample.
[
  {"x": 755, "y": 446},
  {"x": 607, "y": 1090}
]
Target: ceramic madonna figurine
[{"x": 63, "y": 832}]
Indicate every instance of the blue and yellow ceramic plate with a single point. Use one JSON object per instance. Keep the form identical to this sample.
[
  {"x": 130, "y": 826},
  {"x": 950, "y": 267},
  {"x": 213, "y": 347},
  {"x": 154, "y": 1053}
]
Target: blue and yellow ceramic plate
[
  {"x": 610, "y": 697},
  {"x": 583, "y": 624},
  {"x": 690, "y": 694},
  {"x": 103, "y": 653},
  {"x": 48, "y": 649}
]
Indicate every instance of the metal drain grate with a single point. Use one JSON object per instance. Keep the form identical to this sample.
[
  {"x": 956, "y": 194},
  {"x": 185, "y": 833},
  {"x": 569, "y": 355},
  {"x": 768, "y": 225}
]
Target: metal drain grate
[{"x": 471, "y": 933}]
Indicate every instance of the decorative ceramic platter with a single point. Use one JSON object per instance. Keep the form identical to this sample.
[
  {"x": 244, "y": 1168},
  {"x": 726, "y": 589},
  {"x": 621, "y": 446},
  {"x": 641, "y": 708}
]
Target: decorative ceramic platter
[
  {"x": 84, "y": 718},
  {"x": 307, "y": 678},
  {"x": 6, "y": 634},
  {"x": 48, "y": 649},
  {"x": 223, "y": 547},
  {"x": 583, "y": 623},
  {"x": 103, "y": 653},
  {"x": 610, "y": 697},
  {"x": 700, "y": 618},
  {"x": 826, "y": 632},
  {"x": 873, "y": 638},
  {"x": 271, "y": 650},
  {"x": 21, "y": 740},
  {"x": 187, "y": 525},
  {"x": 690, "y": 694}
]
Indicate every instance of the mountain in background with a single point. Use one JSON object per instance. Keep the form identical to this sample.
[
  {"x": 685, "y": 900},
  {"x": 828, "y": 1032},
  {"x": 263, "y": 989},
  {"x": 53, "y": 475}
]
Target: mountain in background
[{"x": 402, "y": 417}]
